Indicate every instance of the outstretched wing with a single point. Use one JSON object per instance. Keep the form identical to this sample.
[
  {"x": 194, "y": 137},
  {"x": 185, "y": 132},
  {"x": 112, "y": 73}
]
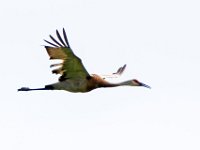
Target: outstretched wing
[
  {"x": 116, "y": 74},
  {"x": 72, "y": 66}
]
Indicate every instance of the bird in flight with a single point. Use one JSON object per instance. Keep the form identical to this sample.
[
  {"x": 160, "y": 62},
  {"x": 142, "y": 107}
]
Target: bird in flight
[{"x": 74, "y": 76}]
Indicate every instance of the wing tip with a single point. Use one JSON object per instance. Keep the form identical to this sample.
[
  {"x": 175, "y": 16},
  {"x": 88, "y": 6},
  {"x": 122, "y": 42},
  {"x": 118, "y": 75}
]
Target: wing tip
[{"x": 56, "y": 43}]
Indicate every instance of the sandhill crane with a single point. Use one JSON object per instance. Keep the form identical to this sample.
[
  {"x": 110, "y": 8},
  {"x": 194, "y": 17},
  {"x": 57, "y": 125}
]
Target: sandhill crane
[{"x": 74, "y": 77}]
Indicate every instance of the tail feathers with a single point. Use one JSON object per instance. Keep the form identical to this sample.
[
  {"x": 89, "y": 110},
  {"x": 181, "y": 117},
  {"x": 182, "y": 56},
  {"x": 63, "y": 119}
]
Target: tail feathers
[{"x": 47, "y": 87}]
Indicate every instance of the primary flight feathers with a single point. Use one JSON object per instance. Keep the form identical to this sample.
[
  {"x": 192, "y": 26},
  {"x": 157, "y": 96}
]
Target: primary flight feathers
[{"x": 65, "y": 44}]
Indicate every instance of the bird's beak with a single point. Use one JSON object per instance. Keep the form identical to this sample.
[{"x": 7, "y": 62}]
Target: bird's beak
[{"x": 144, "y": 85}]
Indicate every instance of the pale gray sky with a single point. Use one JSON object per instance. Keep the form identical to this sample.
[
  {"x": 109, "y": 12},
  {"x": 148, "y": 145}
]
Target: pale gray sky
[{"x": 159, "y": 42}]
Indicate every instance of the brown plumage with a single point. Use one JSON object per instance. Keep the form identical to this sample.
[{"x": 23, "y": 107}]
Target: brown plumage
[{"x": 74, "y": 77}]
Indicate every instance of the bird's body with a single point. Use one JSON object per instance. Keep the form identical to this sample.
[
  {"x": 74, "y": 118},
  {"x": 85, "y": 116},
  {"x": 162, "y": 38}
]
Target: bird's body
[
  {"x": 74, "y": 77},
  {"x": 80, "y": 85}
]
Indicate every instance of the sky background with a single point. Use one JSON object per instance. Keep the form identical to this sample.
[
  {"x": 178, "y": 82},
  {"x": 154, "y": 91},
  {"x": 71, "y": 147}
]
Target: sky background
[{"x": 158, "y": 40}]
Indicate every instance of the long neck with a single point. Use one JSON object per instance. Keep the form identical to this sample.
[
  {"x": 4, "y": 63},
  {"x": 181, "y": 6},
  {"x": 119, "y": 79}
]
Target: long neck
[{"x": 124, "y": 83}]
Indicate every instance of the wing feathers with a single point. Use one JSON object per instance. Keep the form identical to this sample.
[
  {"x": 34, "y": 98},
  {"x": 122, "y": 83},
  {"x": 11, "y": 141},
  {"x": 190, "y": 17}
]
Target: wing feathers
[
  {"x": 56, "y": 53},
  {"x": 116, "y": 74},
  {"x": 65, "y": 37},
  {"x": 120, "y": 70},
  {"x": 57, "y": 71},
  {"x": 59, "y": 37},
  {"x": 72, "y": 66},
  {"x": 51, "y": 43},
  {"x": 55, "y": 65},
  {"x": 61, "y": 42},
  {"x": 55, "y": 41}
]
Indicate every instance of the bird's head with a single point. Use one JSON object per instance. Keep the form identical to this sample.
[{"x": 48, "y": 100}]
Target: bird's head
[{"x": 135, "y": 82}]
